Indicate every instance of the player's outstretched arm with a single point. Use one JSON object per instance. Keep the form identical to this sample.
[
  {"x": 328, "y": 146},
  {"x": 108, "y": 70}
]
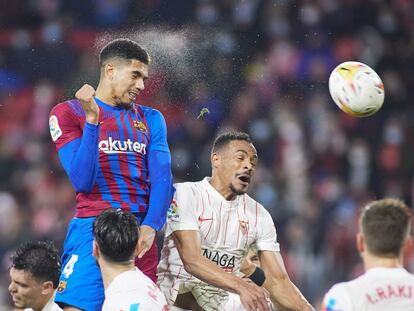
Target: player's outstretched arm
[
  {"x": 189, "y": 248},
  {"x": 283, "y": 293},
  {"x": 161, "y": 192}
]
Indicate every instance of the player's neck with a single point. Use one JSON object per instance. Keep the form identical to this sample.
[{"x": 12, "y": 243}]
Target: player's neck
[
  {"x": 372, "y": 261},
  {"x": 111, "y": 270},
  {"x": 222, "y": 188},
  {"x": 103, "y": 93},
  {"x": 41, "y": 304}
]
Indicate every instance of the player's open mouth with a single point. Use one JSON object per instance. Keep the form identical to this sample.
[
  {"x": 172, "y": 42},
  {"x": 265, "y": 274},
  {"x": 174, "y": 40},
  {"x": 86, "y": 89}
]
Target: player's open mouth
[
  {"x": 244, "y": 178},
  {"x": 133, "y": 96}
]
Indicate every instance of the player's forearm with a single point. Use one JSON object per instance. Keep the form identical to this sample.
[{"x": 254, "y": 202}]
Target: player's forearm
[
  {"x": 161, "y": 192},
  {"x": 80, "y": 159},
  {"x": 210, "y": 273},
  {"x": 285, "y": 294}
]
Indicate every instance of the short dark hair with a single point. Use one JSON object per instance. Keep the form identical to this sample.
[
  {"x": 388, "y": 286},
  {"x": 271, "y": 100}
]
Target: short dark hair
[
  {"x": 385, "y": 226},
  {"x": 116, "y": 233},
  {"x": 225, "y": 138},
  {"x": 40, "y": 258},
  {"x": 125, "y": 49}
]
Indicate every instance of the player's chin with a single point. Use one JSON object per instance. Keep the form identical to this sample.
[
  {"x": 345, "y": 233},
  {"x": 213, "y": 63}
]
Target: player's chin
[
  {"x": 17, "y": 303},
  {"x": 239, "y": 187},
  {"x": 126, "y": 104}
]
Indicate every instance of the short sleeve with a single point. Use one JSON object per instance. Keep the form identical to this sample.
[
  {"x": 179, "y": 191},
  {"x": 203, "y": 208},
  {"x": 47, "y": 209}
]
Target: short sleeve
[
  {"x": 337, "y": 299},
  {"x": 266, "y": 231},
  {"x": 158, "y": 131},
  {"x": 64, "y": 125},
  {"x": 182, "y": 214}
]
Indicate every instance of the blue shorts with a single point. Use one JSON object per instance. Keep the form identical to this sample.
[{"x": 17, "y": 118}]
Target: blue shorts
[{"x": 80, "y": 283}]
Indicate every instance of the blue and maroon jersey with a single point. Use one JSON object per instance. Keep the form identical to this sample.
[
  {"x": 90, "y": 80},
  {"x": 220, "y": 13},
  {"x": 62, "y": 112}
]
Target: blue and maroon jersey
[{"x": 117, "y": 171}]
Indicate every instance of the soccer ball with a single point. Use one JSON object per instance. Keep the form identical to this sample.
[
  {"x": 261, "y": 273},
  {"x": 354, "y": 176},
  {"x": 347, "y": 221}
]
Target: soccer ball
[{"x": 356, "y": 89}]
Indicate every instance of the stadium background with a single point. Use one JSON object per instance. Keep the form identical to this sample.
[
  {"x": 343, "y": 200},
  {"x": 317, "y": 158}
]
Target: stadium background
[{"x": 259, "y": 66}]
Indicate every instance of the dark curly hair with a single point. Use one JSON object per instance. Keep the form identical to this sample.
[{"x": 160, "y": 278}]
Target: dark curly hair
[{"x": 40, "y": 258}]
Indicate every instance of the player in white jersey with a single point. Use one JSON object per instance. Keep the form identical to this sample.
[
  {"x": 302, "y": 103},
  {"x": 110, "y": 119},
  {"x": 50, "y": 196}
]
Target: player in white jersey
[
  {"x": 114, "y": 247},
  {"x": 211, "y": 225},
  {"x": 34, "y": 276},
  {"x": 384, "y": 237}
]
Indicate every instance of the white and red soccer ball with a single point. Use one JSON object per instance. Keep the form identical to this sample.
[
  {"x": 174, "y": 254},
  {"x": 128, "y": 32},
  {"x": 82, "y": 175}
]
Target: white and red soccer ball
[{"x": 356, "y": 89}]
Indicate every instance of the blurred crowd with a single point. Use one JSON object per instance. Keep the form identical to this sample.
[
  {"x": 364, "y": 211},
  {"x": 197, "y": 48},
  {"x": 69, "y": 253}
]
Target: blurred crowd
[{"x": 259, "y": 66}]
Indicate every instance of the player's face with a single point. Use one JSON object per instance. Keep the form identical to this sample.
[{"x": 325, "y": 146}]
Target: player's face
[
  {"x": 128, "y": 81},
  {"x": 24, "y": 289},
  {"x": 237, "y": 163}
]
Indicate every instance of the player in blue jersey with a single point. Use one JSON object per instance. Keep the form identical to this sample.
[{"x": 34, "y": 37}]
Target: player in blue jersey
[{"x": 116, "y": 155}]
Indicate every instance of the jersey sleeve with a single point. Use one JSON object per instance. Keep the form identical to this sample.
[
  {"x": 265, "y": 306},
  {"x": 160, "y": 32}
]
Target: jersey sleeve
[
  {"x": 158, "y": 131},
  {"x": 266, "y": 231},
  {"x": 337, "y": 299},
  {"x": 64, "y": 125},
  {"x": 182, "y": 214}
]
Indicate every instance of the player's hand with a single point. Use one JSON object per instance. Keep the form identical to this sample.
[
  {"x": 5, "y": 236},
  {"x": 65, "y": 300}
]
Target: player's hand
[
  {"x": 253, "y": 297},
  {"x": 146, "y": 239},
  {"x": 247, "y": 267},
  {"x": 85, "y": 96}
]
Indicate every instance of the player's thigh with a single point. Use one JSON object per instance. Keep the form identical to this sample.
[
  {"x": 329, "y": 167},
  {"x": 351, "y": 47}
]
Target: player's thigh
[
  {"x": 149, "y": 262},
  {"x": 80, "y": 284}
]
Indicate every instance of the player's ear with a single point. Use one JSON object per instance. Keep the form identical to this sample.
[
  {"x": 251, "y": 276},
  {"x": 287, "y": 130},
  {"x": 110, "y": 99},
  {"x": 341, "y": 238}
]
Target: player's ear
[
  {"x": 215, "y": 160},
  {"x": 360, "y": 242},
  {"x": 47, "y": 288},
  {"x": 408, "y": 245},
  {"x": 109, "y": 71},
  {"x": 95, "y": 249}
]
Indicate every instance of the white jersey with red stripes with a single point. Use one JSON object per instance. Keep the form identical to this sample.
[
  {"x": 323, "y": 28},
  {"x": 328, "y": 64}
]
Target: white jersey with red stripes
[
  {"x": 227, "y": 230},
  {"x": 379, "y": 289},
  {"x": 132, "y": 291}
]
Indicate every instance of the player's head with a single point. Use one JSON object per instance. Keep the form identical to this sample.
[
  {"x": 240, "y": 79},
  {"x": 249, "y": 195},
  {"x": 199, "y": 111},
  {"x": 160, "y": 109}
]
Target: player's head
[
  {"x": 124, "y": 68},
  {"x": 34, "y": 274},
  {"x": 115, "y": 236},
  {"x": 233, "y": 160},
  {"x": 385, "y": 227}
]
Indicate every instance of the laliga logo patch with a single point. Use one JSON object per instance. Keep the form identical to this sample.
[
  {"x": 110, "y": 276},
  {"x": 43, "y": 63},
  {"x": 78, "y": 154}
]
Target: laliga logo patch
[
  {"x": 172, "y": 210},
  {"x": 55, "y": 130}
]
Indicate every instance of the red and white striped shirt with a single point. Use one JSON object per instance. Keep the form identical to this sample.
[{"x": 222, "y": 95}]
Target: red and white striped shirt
[{"x": 227, "y": 230}]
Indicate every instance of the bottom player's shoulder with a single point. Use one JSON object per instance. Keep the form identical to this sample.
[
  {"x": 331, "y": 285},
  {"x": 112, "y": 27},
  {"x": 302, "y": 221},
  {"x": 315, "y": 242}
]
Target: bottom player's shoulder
[{"x": 337, "y": 297}]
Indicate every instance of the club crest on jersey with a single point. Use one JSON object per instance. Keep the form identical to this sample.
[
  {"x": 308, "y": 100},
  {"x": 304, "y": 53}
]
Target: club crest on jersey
[
  {"x": 244, "y": 226},
  {"x": 172, "y": 210},
  {"x": 55, "y": 130},
  {"x": 140, "y": 126},
  {"x": 61, "y": 286},
  {"x": 111, "y": 146}
]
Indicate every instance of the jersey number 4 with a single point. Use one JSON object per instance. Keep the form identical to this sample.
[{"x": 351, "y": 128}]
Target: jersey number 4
[{"x": 67, "y": 271}]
